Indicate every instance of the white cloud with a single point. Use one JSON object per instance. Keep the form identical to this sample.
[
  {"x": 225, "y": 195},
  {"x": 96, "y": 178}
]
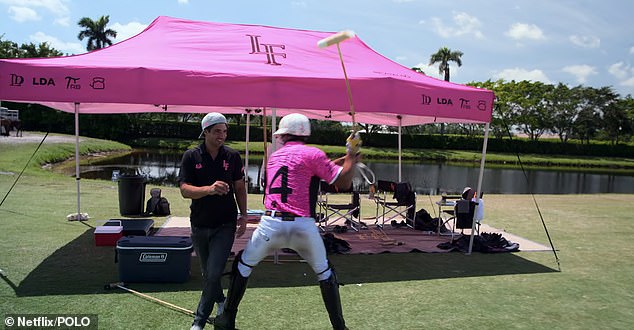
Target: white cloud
[
  {"x": 632, "y": 50},
  {"x": 29, "y": 10},
  {"x": 628, "y": 82},
  {"x": 464, "y": 24},
  {"x": 299, "y": 4},
  {"x": 64, "y": 47},
  {"x": 623, "y": 72},
  {"x": 519, "y": 74},
  {"x": 519, "y": 31},
  {"x": 586, "y": 41},
  {"x": 23, "y": 14},
  {"x": 63, "y": 21},
  {"x": 128, "y": 30},
  {"x": 57, "y": 7},
  {"x": 581, "y": 72},
  {"x": 183, "y": 2}
]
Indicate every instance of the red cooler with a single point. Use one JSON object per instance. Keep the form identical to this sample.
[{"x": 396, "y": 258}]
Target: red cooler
[{"x": 108, "y": 235}]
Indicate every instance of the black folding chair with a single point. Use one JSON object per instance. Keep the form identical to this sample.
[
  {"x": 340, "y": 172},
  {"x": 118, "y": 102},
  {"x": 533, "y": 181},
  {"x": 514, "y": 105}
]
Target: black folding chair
[
  {"x": 465, "y": 211},
  {"x": 460, "y": 213},
  {"x": 402, "y": 204},
  {"x": 330, "y": 212}
]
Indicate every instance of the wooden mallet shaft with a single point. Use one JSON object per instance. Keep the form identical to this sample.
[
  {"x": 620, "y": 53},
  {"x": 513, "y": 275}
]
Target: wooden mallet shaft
[{"x": 121, "y": 286}]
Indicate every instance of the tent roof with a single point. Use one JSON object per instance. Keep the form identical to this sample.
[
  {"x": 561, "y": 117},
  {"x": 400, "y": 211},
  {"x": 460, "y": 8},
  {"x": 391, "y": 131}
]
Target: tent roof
[{"x": 179, "y": 65}]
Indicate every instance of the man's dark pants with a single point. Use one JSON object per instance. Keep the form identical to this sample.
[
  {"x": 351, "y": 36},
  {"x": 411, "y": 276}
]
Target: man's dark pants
[{"x": 213, "y": 247}]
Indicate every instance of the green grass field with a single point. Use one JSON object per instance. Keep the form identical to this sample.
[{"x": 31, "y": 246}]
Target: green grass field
[{"x": 52, "y": 266}]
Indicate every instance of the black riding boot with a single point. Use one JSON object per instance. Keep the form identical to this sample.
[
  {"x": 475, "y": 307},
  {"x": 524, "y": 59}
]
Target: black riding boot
[
  {"x": 237, "y": 287},
  {"x": 330, "y": 293}
]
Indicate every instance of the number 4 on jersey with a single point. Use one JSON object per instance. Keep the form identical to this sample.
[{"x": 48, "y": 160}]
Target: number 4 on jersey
[{"x": 283, "y": 188}]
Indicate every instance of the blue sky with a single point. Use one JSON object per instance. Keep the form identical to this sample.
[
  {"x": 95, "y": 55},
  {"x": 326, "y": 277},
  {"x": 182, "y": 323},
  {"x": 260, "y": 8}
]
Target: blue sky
[{"x": 569, "y": 41}]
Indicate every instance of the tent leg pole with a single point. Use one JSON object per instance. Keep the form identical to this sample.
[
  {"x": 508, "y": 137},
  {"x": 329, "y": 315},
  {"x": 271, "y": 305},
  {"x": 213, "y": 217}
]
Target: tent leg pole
[
  {"x": 400, "y": 147},
  {"x": 276, "y": 257},
  {"x": 480, "y": 176},
  {"x": 246, "y": 152},
  {"x": 77, "y": 175}
]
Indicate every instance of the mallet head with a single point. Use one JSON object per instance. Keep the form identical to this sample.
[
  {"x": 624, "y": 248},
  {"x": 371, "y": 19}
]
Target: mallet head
[
  {"x": 335, "y": 38},
  {"x": 114, "y": 285}
]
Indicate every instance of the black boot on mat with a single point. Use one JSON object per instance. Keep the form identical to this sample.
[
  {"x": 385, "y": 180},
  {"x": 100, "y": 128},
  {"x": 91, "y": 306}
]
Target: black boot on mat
[{"x": 237, "y": 287}]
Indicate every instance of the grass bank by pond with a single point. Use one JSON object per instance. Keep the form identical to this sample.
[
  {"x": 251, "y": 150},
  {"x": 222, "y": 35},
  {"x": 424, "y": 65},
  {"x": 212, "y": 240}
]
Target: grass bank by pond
[{"x": 17, "y": 151}]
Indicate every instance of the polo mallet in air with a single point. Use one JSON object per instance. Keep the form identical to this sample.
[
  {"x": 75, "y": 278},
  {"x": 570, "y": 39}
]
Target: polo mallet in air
[
  {"x": 121, "y": 285},
  {"x": 329, "y": 41},
  {"x": 336, "y": 39}
]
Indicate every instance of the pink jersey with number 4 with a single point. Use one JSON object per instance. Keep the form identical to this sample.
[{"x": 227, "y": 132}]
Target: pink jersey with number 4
[{"x": 288, "y": 174}]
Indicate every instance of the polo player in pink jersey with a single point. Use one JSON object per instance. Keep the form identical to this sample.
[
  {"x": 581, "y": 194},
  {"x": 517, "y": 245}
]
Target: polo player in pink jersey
[{"x": 292, "y": 178}]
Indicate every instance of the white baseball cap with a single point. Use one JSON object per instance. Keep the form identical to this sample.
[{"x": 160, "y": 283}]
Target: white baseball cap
[
  {"x": 211, "y": 119},
  {"x": 294, "y": 124},
  {"x": 467, "y": 193}
]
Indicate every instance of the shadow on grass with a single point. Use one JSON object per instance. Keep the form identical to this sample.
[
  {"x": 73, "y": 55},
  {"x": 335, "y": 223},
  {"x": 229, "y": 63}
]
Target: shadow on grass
[{"x": 80, "y": 267}]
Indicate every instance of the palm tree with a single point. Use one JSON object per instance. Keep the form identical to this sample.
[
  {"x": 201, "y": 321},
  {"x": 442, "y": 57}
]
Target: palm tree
[
  {"x": 444, "y": 56},
  {"x": 96, "y": 32}
]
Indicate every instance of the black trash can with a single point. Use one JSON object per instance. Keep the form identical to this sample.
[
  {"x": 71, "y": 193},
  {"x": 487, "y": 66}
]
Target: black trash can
[{"x": 131, "y": 195}]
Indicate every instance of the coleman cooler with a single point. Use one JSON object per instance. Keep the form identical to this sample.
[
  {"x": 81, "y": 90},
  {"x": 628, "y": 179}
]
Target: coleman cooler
[{"x": 154, "y": 258}]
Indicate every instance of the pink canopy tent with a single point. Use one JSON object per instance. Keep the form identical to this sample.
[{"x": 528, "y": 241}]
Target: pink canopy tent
[
  {"x": 178, "y": 65},
  {"x": 192, "y": 65}
]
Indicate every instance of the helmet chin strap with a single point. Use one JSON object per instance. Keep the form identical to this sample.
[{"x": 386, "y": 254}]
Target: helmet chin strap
[{"x": 366, "y": 173}]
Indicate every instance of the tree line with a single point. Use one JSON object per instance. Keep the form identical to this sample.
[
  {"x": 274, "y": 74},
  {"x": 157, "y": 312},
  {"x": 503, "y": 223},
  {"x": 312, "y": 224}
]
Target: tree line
[{"x": 534, "y": 109}]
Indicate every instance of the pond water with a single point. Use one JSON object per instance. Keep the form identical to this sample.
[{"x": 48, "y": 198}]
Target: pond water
[{"x": 161, "y": 167}]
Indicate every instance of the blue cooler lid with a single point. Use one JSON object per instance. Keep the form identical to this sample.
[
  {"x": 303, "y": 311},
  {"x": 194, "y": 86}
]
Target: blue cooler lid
[{"x": 155, "y": 242}]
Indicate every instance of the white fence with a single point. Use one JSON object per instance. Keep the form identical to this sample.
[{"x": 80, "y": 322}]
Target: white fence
[{"x": 9, "y": 114}]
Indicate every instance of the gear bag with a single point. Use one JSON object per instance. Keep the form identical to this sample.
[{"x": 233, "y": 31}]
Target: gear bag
[
  {"x": 423, "y": 221},
  {"x": 157, "y": 205}
]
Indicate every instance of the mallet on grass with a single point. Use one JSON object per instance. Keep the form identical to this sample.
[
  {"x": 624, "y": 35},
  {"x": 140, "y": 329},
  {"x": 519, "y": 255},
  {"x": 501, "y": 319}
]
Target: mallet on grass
[{"x": 121, "y": 285}]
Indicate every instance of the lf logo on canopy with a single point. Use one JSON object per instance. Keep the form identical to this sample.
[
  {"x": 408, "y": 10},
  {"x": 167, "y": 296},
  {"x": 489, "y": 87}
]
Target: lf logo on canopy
[{"x": 268, "y": 49}]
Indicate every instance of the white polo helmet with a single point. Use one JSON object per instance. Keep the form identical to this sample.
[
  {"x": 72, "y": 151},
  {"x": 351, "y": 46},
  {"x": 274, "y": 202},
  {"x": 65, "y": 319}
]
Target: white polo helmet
[{"x": 294, "y": 124}]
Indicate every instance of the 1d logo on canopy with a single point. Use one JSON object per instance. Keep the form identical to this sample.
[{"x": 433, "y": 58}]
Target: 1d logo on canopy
[{"x": 426, "y": 100}]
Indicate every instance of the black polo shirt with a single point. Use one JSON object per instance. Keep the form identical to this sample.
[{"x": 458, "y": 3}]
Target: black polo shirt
[{"x": 199, "y": 169}]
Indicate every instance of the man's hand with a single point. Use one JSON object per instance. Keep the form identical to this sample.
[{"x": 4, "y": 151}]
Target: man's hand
[
  {"x": 353, "y": 143},
  {"x": 218, "y": 188},
  {"x": 242, "y": 226}
]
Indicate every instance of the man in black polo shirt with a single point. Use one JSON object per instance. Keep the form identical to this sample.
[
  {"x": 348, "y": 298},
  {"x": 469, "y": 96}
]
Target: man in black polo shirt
[{"x": 211, "y": 175}]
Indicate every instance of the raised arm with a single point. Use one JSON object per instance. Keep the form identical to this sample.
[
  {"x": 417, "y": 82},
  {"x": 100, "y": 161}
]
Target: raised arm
[{"x": 344, "y": 180}]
